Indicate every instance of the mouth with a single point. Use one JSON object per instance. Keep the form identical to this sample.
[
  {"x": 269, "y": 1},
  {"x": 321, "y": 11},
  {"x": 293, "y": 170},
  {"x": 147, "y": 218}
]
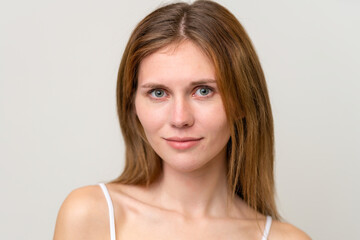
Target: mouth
[{"x": 183, "y": 143}]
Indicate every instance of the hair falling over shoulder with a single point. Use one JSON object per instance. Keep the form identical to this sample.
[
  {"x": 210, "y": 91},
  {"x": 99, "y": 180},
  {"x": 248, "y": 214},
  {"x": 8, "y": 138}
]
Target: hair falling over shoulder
[{"x": 241, "y": 82}]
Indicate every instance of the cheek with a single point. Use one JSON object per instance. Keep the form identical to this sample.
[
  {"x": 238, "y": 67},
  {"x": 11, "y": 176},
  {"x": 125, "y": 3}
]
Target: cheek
[
  {"x": 151, "y": 119},
  {"x": 214, "y": 119}
]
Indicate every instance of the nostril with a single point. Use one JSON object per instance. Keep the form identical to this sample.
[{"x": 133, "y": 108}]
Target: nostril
[{"x": 181, "y": 124}]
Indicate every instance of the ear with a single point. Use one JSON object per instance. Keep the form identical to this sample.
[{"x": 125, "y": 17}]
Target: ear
[{"x": 242, "y": 114}]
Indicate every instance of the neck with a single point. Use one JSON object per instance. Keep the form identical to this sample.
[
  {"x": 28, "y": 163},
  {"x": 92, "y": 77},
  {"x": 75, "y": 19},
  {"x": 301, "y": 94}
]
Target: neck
[{"x": 199, "y": 193}]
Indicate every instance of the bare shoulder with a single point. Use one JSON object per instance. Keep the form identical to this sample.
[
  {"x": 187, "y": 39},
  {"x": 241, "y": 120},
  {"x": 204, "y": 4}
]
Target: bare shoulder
[
  {"x": 83, "y": 215},
  {"x": 281, "y": 230}
]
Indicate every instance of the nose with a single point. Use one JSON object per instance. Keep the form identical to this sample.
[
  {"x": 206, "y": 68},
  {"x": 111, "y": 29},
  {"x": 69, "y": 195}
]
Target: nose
[{"x": 181, "y": 114}]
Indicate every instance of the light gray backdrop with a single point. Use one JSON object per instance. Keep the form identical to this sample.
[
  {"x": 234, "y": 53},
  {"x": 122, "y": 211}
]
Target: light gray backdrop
[{"x": 59, "y": 129}]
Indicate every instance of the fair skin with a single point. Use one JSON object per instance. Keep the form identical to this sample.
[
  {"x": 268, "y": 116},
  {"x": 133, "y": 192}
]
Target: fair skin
[{"x": 177, "y": 99}]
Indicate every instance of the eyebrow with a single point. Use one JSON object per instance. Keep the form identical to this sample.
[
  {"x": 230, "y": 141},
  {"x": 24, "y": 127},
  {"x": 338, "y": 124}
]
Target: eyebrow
[{"x": 194, "y": 83}]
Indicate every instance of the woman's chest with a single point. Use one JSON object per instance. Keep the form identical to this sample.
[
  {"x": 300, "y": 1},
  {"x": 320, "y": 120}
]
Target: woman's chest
[{"x": 170, "y": 227}]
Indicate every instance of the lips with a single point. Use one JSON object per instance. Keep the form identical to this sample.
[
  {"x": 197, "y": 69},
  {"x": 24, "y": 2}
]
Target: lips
[{"x": 182, "y": 143}]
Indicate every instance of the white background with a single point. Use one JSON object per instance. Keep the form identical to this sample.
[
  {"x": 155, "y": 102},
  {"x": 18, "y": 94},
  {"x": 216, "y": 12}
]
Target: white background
[{"x": 58, "y": 123}]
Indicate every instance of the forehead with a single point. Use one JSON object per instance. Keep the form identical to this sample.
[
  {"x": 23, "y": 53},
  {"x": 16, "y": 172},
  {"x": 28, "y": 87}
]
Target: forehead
[{"x": 176, "y": 63}]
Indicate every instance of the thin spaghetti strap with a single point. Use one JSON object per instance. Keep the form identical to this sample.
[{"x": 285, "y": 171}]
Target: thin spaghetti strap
[
  {"x": 111, "y": 211},
  {"x": 267, "y": 228}
]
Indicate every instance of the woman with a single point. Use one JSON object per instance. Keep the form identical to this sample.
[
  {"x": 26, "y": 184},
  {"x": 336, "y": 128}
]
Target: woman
[{"x": 196, "y": 119}]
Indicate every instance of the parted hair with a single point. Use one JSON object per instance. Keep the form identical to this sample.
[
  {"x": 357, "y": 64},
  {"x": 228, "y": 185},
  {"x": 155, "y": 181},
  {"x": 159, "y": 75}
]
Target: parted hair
[{"x": 242, "y": 86}]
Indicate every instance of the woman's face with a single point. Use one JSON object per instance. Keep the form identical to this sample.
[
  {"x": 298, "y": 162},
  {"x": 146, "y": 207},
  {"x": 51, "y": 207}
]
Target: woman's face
[{"x": 180, "y": 108}]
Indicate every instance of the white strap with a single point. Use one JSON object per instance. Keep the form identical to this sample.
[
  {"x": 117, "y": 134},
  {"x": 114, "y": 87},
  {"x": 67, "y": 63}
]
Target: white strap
[
  {"x": 267, "y": 228},
  {"x": 111, "y": 210}
]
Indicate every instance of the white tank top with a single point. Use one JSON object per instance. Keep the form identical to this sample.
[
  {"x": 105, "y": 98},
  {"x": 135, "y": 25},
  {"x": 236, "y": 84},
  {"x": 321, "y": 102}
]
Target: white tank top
[{"x": 112, "y": 218}]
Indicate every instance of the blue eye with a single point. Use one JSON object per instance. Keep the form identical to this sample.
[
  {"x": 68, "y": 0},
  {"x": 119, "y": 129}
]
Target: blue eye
[
  {"x": 157, "y": 93},
  {"x": 203, "y": 91}
]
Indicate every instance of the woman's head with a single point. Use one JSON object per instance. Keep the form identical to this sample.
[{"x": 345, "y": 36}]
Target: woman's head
[
  {"x": 241, "y": 85},
  {"x": 181, "y": 111}
]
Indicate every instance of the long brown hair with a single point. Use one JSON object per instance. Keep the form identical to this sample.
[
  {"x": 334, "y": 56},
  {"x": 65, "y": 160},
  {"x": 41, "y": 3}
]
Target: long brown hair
[{"x": 242, "y": 86}]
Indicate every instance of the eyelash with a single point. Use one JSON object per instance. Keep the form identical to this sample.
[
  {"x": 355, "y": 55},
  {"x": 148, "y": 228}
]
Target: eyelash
[{"x": 196, "y": 89}]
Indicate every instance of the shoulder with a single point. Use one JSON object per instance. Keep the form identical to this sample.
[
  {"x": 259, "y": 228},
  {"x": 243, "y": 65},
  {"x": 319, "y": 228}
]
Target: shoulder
[
  {"x": 83, "y": 214},
  {"x": 281, "y": 230}
]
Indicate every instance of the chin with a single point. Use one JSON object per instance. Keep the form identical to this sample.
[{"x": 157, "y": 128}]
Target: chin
[{"x": 185, "y": 164}]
